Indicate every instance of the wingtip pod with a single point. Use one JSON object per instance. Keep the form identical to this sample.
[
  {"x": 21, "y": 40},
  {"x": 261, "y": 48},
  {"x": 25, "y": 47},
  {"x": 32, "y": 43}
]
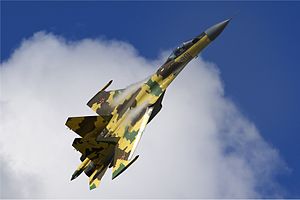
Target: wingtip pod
[
  {"x": 121, "y": 166},
  {"x": 106, "y": 86}
]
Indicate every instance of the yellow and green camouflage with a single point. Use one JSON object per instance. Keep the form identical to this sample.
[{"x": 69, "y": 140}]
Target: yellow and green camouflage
[{"x": 110, "y": 139}]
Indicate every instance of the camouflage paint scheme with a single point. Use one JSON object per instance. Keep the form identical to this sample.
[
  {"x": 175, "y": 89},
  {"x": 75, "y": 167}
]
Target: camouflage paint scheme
[{"x": 110, "y": 139}]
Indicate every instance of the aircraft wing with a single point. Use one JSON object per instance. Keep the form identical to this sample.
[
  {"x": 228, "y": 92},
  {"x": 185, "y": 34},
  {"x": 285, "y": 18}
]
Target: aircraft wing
[
  {"x": 104, "y": 102},
  {"x": 126, "y": 146}
]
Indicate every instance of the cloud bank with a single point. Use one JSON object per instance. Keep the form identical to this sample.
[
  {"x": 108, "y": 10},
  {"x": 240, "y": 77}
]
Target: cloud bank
[{"x": 199, "y": 146}]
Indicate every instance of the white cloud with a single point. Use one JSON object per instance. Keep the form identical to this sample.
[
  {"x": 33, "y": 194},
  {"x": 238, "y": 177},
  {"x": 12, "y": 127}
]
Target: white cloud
[{"x": 198, "y": 146}]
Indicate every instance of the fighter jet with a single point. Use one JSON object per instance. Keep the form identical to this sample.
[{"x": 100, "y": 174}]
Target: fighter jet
[{"x": 110, "y": 138}]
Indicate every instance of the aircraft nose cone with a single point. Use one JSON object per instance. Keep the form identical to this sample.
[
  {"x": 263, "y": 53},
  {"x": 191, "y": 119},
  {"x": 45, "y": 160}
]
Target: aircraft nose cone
[{"x": 216, "y": 29}]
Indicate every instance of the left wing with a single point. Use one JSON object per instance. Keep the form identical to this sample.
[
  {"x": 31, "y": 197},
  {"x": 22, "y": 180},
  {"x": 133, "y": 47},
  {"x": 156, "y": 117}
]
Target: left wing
[
  {"x": 103, "y": 103},
  {"x": 126, "y": 146}
]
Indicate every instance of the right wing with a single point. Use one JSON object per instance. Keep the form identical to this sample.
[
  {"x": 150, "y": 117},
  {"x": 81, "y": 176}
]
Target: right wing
[{"x": 126, "y": 145}]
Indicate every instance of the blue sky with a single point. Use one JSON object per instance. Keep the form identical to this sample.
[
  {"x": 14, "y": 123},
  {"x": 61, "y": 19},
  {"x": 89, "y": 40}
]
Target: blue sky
[{"x": 256, "y": 54}]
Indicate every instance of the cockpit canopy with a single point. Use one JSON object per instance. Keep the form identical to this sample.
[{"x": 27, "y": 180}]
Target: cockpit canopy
[
  {"x": 179, "y": 50},
  {"x": 186, "y": 45},
  {"x": 182, "y": 48}
]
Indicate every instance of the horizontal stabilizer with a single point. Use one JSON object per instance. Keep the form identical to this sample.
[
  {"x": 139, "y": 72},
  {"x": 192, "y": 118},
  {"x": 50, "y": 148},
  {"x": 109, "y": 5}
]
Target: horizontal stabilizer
[{"x": 93, "y": 149}]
